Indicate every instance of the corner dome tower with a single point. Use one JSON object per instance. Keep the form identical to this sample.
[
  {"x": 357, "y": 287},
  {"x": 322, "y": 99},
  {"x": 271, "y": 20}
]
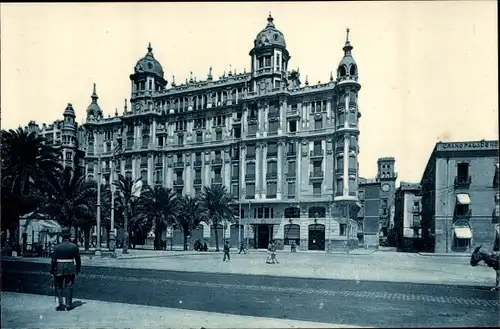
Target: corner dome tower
[
  {"x": 94, "y": 111},
  {"x": 270, "y": 36},
  {"x": 149, "y": 64},
  {"x": 347, "y": 68}
]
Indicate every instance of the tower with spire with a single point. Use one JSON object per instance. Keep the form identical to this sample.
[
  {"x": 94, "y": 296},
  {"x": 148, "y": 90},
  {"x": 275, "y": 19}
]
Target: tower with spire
[
  {"x": 346, "y": 138},
  {"x": 94, "y": 111}
]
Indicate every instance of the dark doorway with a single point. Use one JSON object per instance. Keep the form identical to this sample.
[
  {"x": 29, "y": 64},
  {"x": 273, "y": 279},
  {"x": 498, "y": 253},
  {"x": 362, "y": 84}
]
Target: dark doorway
[
  {"x": 262, "y": 236},
  {"x": 316, "y": 237}
]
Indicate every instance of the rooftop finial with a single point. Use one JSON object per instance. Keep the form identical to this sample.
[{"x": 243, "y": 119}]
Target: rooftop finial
[
  {"x": 116, "y": 112},
  {"x": 173, "y": 80},
  {"x": 190, "y": 76},
  {"x": 125, "y": 107},
  {"x": 94, "y": 94},
  {"x": 331, "y": 76},
  {"x": 347, "y": 35},
  {"x": 270, "y": 20},
  {"x": 209, "y": 77},
  {"x": 150, "y": 49},
  {"x": 307, "y": 80}
]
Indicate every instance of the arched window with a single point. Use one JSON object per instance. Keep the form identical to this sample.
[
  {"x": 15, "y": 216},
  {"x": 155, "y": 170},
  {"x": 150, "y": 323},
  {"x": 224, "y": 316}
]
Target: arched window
[
  {"x": 317, "y": 212},
  {"x": 291, "y": 234},
  {"x": 353, "y": 70},
  {"x": 342, "y": 71}
]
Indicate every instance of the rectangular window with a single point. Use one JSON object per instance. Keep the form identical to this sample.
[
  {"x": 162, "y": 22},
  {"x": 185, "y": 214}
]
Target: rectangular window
[
  {"x": 252, "y": 129},
  {"x": 343, "y": 229},
  {"x": 236, "y": 170},
  {"x": 292, "y": 148},
  {"x": 199, "y": 137},
  {"x": 197, "y": 174},
  {"x": 318, "y": 124},
  {"x": 352, "y": 162},
  {"x": 197, "y": 191},
  {"x": 272, "y": 149},
  {"x": 462, "y": 171},
  {"x": 292, "y": 126},
  {"x": 250, "y": 191},
  {"x": 291, "y": 167},
  {"x": 235, "y": 190},
  {"x": 250, "y": 151},
  {"x": 291, "y": 190},
  {"x": 250, "y": 168},
  {"x": 144, "y": 176},
  {"x": 316, "y": 188},
  {"x": 339, "y": 164},
  {"x": 272, "y": 167},
  {"x": 339, "y": 187},
  {"x": 180, "y": 140},
  {"x": 218, "y": 135},
  {"x": 271, "y": 189},
  {"x": 273, "y": 126},
  {"x": 352, "y": 186}
]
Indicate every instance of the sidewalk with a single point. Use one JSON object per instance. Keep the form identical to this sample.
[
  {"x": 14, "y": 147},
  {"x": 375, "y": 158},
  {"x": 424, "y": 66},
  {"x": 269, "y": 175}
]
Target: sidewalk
[
  {"x": 383, "y": 266},
  {"x": 36, "y": 311}
]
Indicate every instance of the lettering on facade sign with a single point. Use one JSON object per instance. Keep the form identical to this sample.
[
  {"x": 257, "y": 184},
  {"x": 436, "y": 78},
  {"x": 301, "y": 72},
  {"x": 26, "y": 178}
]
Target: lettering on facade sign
[{"x": 469, "y": 145}]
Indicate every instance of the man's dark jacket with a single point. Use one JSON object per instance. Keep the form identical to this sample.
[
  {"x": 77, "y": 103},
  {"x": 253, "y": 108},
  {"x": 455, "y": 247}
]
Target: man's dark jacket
[{"x": 68, "y": 251}]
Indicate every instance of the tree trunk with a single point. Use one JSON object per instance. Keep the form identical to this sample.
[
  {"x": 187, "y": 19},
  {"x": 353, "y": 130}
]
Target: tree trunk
[
  {"x": 86, "y": 235},
  {"x": 157, "y": 240},
  {"x": 76, "y": 234},
  {"x": 186, "y": 233},
  {"x": 216, "y": 238},
  {"x": 125, "y": 230}
]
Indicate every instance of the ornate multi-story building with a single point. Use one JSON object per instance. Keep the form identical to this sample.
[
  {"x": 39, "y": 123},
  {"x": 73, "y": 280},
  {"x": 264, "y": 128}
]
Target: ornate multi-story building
[
  {"x": 63, "y": 134},
  {"x": 288, "y": 153}
]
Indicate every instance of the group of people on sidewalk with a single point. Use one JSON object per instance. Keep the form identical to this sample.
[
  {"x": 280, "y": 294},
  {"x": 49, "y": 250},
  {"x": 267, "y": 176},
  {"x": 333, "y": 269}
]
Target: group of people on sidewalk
[{"x": 271, "y": 252}]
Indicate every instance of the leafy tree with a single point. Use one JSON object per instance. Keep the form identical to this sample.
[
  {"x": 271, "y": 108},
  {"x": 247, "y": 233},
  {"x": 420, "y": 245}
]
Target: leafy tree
[
  {"x": 191, "y": 216},
  {"x": 160, "y": 205},
  {"x": 124, "y": 198},
  {"x": 217, "y": 203}
]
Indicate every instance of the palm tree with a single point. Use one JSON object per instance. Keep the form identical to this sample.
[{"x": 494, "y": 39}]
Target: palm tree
[
  {"x": 26, "y": 161},
  {"x": 124, "y": 198},
  {"x": 191, "y": 216},
  {"x": 70, "y": 198},
  {"x": 217, "y": 203},
  {"x": 160, "y": 205}
]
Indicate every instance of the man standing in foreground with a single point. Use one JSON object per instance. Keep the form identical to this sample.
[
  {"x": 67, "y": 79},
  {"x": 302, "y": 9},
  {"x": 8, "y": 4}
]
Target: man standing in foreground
[
  {"x": 226, "y": 252},
  {"x": 65, "y": 265}
]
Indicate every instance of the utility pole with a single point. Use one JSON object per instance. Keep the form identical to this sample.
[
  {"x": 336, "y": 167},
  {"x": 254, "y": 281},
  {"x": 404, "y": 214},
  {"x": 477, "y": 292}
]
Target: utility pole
[{"x": 112, "y": 237}]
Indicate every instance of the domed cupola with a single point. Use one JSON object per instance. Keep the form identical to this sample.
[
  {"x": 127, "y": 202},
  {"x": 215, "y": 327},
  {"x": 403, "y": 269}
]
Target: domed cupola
[
  {"x": 269, "y": 58},
  {"x": 148, "y": 74},
  {"x": 94, "y": 111},
  {"x": 347, "y": 68},
  {"x": 270, "y": 36},
  {"x": 149, "y": 64}
]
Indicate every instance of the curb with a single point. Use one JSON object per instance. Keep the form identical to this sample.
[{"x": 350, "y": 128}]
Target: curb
[{"x": 442, "y": 255}]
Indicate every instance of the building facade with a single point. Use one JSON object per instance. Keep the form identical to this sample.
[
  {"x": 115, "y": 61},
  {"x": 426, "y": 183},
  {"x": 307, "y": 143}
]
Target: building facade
[
  {"x": 286, "y": 151},
  {"x": 460, "y": 197},
  {"x": 407, "y": 217},
  {"x": 376, "y": 215},
  {"x": 63, "y": 134}
]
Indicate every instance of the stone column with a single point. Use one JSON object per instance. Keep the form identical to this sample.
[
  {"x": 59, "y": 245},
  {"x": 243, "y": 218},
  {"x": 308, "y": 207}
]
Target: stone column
[
  {"x": 258, "y": 170},
  {"x": 263, "y": 175},
  {"x": 150, "y": 169},
  {"x": 170, "y": 172},
  {"x": 206, "y": 168},
  {"x": 227, "y": 170},
  {"x": 280, "y": 170},
  {"x": 188, "y": 175}
]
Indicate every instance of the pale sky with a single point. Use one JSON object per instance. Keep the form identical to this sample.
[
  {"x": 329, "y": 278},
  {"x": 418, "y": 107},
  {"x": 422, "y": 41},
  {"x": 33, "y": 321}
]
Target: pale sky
[{"x": 428, "y": 70}]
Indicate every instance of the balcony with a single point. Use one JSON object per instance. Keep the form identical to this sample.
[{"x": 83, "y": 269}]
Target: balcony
[
  {"x": 235, "y": 177},
  {"x": 197, "y": 181},
  {"x": 415, "y": 209},
  {"x": 293, "y": 113},
  {"x": 217, "y": 180},
  {"x": 107, "y": 170},
  {"x": 178, "y": 182},
  {"x": 291, "y": 154},
  {"x": 462, "y": 182},
  {"x": 250, "y": 177},
  {"x": 144, "y": 164},
  {"x": 250, "y": 155},
  {"x": 316, "y": 175},
  {"x": 271, "y": 175},
  {"x": 179, "y": 164},
  {"x": 217, "y": 162},
  {"x": 466, "y": 215},
  {"x": 198, "y": 163},
  {"x": 291, "y": 175},
  {"x": 158, "y": 164},
  {"x": 317, "y": 153}
]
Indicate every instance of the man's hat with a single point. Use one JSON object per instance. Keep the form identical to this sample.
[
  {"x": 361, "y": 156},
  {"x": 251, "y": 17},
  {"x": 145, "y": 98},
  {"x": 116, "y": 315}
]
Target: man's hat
[{"x": 65, "y": 232}]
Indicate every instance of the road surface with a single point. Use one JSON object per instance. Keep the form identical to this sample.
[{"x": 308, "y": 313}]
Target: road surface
[{"x": 362, "y": 303}]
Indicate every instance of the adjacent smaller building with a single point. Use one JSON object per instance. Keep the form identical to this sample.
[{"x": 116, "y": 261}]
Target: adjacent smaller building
[
  {"x": 407, "y": 217},
  {"x": 460, "y": 198},
  {"x": 376, "y": 197}
]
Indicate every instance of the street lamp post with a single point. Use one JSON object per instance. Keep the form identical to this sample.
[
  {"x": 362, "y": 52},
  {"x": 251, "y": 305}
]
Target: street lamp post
[
  {"x": 348, "y": 227},
  {"x": 98, "y": 217},
  {"x": 112, "y": 237}
]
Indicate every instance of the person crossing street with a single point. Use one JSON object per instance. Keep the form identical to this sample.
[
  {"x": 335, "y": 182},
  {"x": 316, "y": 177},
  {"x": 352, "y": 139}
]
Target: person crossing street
[{"x": 226, "y": 252}]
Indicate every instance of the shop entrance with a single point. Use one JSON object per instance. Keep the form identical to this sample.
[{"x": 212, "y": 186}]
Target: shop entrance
[
  {"x": 316, "y": 237},
  {"x": 263, "y": 234}
]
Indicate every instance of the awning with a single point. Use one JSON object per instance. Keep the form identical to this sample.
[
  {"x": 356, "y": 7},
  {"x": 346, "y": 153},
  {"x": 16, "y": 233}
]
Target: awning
[
  {"x": 463, "y": 232},
  {"x": 463, "y": 199},
  {"x": 50, "y": 225}
]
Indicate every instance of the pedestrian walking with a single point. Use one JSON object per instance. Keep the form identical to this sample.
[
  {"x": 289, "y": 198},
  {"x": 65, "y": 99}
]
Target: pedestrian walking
[
  {"x": 226, "y": 252},
  {"x": 242, "y": 248},
  {"x": 65, "y": 265},
  {"x": 269, "y": 252},
  {"x": 273, "y": 254}
]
